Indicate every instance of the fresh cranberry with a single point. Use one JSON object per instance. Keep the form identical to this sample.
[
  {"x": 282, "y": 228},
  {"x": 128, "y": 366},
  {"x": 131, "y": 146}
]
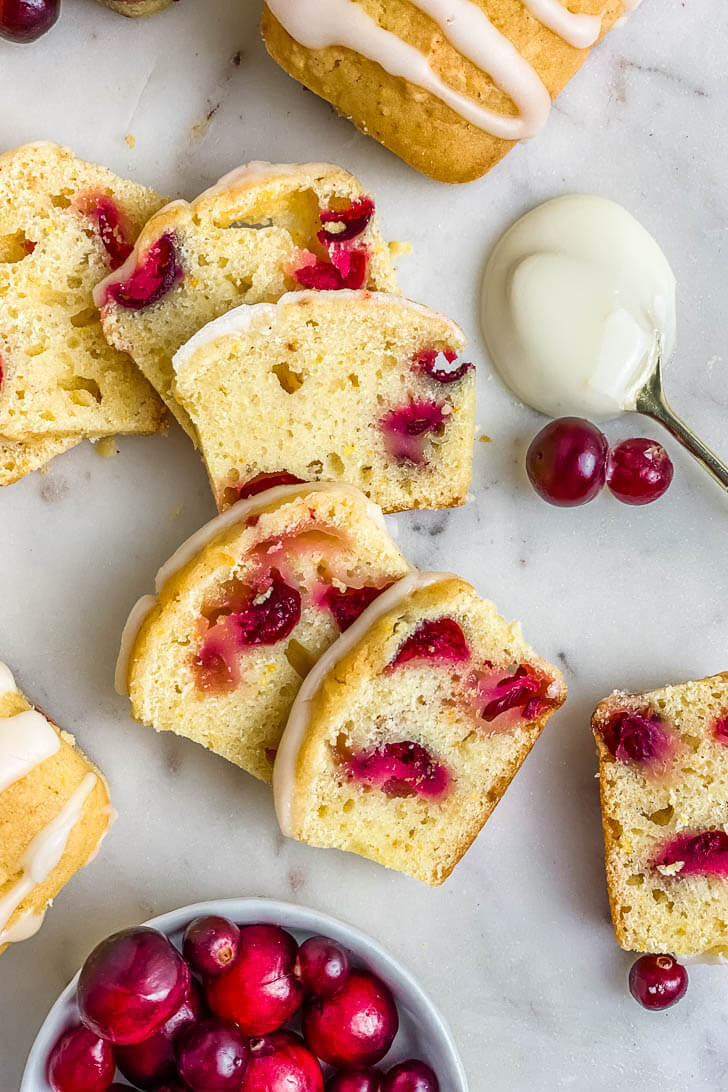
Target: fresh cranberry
[
  {"x": 212, "y": 1056},
  {"x": 639, "y": 471},
  {"x": 347, "y": 605},
  {"x": 131, "y": 984},
  {"x": 434, "y": 639},
  {"x": 523, "y": 691},
  {"x": 567, "y": 462},
  {"x": 26, "y": 20},
  {"x": 411, "y": 1076},
  {"x": 106, "y": 214},
  {"x": 260, "y": 483},
  {"x": 322, "y": 966},
  {"x": 81, "y": 1062},
  {"x": 211, "y": 944},
  {"x": 150, "y": 281},
  {"x": 356, "y": 1026},
  {"x": 720, "y": 730},
  {"x": 704, "y": 854},
  {"x": 349, "y": 222},
  {"x": 281, "y": 1063},
  {"x": 427, "y": 361},
  {"x": 400, "y": 769},
  {"x": 152, "y": 1061},
  {"x": 346, "y": 268},
  {"x": 657, "y": 981},
  {"x": 406, "y": 428},
  {"x": 359, "y": 1079},
  {"x": 641, "y": 737},
  {"x": 260, "y": 992}
]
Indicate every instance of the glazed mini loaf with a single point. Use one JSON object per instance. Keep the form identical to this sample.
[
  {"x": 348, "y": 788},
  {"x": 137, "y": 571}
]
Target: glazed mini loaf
[
  {"x": 408, "y": 731},
  {"x": 135, "y": 8},
  {"x": 262, "y": 230},
  {"x": 64, "y": 224},
  {"x": 448, "y": 85},
  {"x": 360, "y": 387},
  {"x": 663, "y": 773},
  {"x": 54, "y": 812},
  {"x": 245, "y": 608}
]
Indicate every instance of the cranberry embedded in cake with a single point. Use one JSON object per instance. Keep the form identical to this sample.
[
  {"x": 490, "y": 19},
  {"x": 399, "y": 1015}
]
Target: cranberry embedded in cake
[
  {"x": 434, "y": 639},
  {"x": 346, "y": 604},
  {"x": 433, "y": 362},
  {"x": 400, "y": 769},
  {"x": 344, "y": 266},
  {"x": 258, "y": 484},
  {"x": 720, "y": 728},
  {"x": 704, "y": 854},
  {"x": 152, "y": 279},
  {"x": 523, "y": 695},
  {"x": 641, "y": 737},
  {"x": 406, "y": 429},
  {"x": 343, "y": 225},
  {"x": 109, "y": 220}
]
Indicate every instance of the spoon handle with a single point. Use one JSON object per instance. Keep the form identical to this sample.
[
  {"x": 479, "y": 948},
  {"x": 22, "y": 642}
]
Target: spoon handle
[{"x": 652, "y": 402}]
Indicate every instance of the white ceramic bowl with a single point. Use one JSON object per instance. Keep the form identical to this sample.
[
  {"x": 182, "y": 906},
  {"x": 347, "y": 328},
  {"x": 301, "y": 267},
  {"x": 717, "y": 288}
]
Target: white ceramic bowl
[{"x": 423, "y": 1032}]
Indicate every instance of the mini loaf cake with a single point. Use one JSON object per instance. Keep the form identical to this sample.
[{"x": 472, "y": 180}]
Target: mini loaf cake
[
  {"x": 262, "y": 230},
  {"x": 54, "y": 812},
  {"x": 64, "y": 224},
  {"x": 360, "y": 387},
  {"x": 23, "y": 457},
  {"x": 245, "y": 608},
  {"x": 135, "y": 8},
  {"x": 406, "y": 734},
  {"x": 663, "y": 774},
  {"x": 448, "y": 85}
]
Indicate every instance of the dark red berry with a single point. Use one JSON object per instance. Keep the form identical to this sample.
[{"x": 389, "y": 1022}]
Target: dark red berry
[
  {"x": 149, "y": 1063},
  {"x": 411, "y": 1076},
  {"x": 356, "y": 1026},
  {"x": 212, "y": 1056},
  {"x": 359, "y": 1079},
  {"x": 406, "y": 429},
  {"x": 703, "y": 854},
  {"x": 434, "y": 639},
  {"x": 152, "y": 279},
  {"x": 657, "y": 981},
  {"x": 322, "y": 966},
  {"x": 639, "y": 471},
  {"x": 400, "y": 769},
  {"x": 347, "y": 605},
  {"x": 430, "y": 361},
  {"x": 566, "y": 462},
  {"x": 211, "y": 944},
  {"x": 260, "y": 991},
  {"x": 349, "y": 222},
  {"x": 26, "y": 20},
  {"x": 81, "y": 1062}
]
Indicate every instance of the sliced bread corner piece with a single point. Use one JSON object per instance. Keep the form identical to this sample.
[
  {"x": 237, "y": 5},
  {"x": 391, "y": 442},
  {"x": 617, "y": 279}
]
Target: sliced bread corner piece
[
  {"x": 245, "y": 608},
  {"x": 64, "y": 224},
  {"x": 663, "y": 775},
  {"x": 22, "y": 457},
  {"x": 261, "y": 231},
  {"x": 408, "y": 731},
  {"x": 360, "y": 387}
]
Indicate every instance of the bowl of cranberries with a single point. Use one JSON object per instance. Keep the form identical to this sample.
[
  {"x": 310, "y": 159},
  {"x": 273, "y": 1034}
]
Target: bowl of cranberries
[{"x": 243, "y": 995}]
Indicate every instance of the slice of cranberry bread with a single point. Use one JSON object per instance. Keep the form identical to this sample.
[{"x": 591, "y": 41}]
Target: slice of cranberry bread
[
  {"x": 64, "y": 224},
  {"x": 24, "y": 456},
  {"x": 663, "y": 774},
  {"x": 347, "y": 386},
  {"x": 245, "y": 608},
  {"x": 408, "y": 731},
  {"x": 134, "y": 8},
  {"x": 263, "y": 230},
  {"x": 54, "y": 812}
]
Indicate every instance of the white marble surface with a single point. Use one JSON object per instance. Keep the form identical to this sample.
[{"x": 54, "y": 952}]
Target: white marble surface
[{"x": 517, "y": 946}]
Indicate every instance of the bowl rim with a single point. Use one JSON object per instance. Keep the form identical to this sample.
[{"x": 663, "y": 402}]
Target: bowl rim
[{"x": 292, "y": 916}]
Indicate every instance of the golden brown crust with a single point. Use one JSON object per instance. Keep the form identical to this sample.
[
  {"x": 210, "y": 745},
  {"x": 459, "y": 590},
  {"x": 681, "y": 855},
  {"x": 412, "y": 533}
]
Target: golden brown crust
[{"x": 412, "y": 123}]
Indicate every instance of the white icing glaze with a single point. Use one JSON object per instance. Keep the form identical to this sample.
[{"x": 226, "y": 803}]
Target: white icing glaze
[
  {"x": 26, "y": 740},
  {"x": 284, "y": 769},
  {"x": 580, "y": 31},
  {"x": 7, "y": 682},
  {"x": 24, "y": 928},
  {"x": 318, "y": 24},
  {"x": 270, "y": 499},
  {"x": 577, "y": 297},
  {"x": 259, "y": 170},
  {"x": 45, "y": 851}
]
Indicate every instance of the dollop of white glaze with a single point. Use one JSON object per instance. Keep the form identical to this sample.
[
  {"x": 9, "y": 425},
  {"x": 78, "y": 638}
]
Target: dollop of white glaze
[
  {"x": 24, "y": 928},
  {"x": 7, "y": 682},
  {"x": 26, "y": 740},
  {"x": 284, "y": 768},
  {"x": 577, "y": 300}
]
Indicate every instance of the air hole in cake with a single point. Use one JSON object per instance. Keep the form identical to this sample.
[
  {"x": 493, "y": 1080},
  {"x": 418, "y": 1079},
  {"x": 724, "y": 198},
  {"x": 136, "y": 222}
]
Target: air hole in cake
[
  {"x": 523, "y": 695},
  {"x": 87, "y": 317},
  {"x": 439, "y": 365},
  {"x": 346, "y": 604},
  {"x": 641, "y": 737},
  {"x": 662, "y": 816},
  {"x": 289, "y": 380},
  {"x": 14, "y": 248},
  {"x": 704, "y": 854},
  {"x": 398, "y": 769},
  {"x": 299, "y": 657},
  {"x": 153, "y": 279},
  {"x": 434, "y": 639},
  {"x": 109, "y": 222},
  {"x": 406, "y": 429}
]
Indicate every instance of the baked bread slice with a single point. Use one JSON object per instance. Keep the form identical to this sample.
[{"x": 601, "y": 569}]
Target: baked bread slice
[
  {"x": 262, "y": 230},
  {"x": 134, "y": 8},
  {"x": 24, "y": 456},
  {"x": 663, "y": 775},
  {"x": 449, "y": 87},
  {"x": 54, "y": 812},
  {"x": 64, "y": 224},
  {"x": 245, "y": 608},
  {"x": 407, "y": 732},
  {"x": 347, "y": 386}
]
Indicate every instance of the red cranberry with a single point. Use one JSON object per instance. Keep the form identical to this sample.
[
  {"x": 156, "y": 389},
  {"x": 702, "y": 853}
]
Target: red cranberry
[
  {"x": 704, "y": 854},
  {"x": 720, "y": 730},
  {"x": 322, "y": 966},
  {"x": 657, "y": 981},
  {"x": 26, "y": 20},
  {"x": 639, "y": 471},
  {"x": 212, "y": 1056},
  {"x": 347, "y": 605},
  {"x": 641, "y": 737},
  {"x": 356, "y": 1026},
  {"x": 360, "y": 1079},
  {"x": 131, "y": 984},
  {"x": 401, "y": 769},
  {"x": 152, "y": 1061},
  {"x": 430, "y": 362},
  {"x": 281, "y": 1063},
  {"x": 150, "y": 281},
  {"x": 346, "y": 268},
  {"x": 410, "y": 1076},
  {"x": 434, "y": 639},
  {"x": 81, "y": 1062},
  {"x": 405, "y": 429},
  {"x": 107, "y": 216},
  {"x": 523, "y": 691},
  {"x": 211, "y": 944},
  {"x": 261, "y": 482},
  {"x": 259, "y": 992},
  {"x": 349, "y": 222},
  {"x": 567, "y": 462}
]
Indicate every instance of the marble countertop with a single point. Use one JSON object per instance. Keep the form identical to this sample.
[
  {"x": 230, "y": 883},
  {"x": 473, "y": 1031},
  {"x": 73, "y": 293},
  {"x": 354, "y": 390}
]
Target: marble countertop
[{"x": 517, "y": 947}]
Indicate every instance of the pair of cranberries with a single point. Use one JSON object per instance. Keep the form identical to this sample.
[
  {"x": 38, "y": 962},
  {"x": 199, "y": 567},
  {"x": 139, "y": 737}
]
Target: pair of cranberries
[
  {"x": 569, "y": 462},
  {"x": 212, "y": 1019}
]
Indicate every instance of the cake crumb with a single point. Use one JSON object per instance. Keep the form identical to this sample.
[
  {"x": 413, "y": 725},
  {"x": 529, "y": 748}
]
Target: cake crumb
[
  {"x": 130, "y": 140},
  {"x": 106, "y": 447},
  {"x": 484, "y": 439},
  {"x": 399, "y": 249},
  {"x": 175, "y": 511}
]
